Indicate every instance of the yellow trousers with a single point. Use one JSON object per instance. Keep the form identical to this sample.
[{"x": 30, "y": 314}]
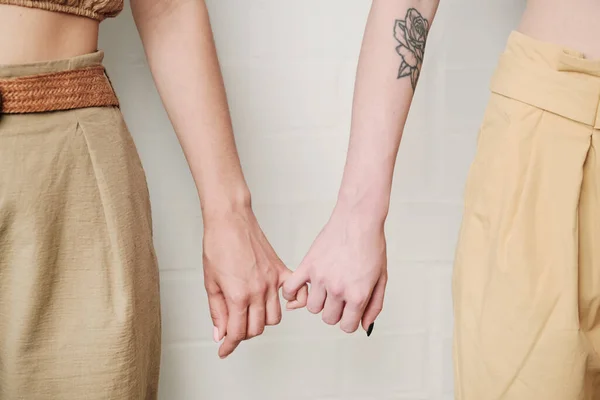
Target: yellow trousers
[{"x": 526, "y": 282}]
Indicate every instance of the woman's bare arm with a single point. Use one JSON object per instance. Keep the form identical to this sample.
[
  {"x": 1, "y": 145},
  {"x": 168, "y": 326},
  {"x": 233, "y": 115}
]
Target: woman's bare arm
[
  {"x": 242, "y": 272},
  {"x": 347, "y": 264}
]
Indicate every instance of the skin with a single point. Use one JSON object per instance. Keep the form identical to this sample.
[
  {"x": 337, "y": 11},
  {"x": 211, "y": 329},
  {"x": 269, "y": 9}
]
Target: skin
[
  {"x": 242, "y": 272},
  {"x": 347, "y": 264},
  {"x": 31, "y": 35},
  {"x": 570, "y": 23}
]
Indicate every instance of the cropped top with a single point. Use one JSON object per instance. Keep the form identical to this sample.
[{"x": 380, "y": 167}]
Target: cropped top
[{"x": 95, "y": 9}]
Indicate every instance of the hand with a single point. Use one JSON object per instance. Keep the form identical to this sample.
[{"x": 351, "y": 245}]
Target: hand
[
  {"x": 242, "y": 276},
  {"x": 347, "y": 269}
]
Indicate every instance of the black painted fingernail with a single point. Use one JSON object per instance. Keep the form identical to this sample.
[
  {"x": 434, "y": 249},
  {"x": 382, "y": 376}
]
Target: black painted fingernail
[{"x": 370, "y": 330}]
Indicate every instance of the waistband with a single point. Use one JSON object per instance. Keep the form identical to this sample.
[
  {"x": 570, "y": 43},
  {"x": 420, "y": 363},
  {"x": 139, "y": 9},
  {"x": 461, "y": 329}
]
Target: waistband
[
  {"x": 550, "y": 77},
  {"x": 57, "y": 85}
]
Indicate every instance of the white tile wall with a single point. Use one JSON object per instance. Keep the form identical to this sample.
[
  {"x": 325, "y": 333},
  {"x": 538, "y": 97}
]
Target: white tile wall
[{"x": 289, "y": 70}]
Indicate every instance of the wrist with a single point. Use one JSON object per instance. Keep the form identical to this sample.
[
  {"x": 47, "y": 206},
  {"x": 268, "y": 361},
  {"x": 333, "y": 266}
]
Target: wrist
[
  {"x": 224, "y": 205},
  {"x": 368, "y": 206}
]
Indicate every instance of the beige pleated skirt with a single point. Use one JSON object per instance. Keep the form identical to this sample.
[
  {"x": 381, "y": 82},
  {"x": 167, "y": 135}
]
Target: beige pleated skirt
[
  {"x": 79, "y": 288},
  {"x": 527, "y": 272}
]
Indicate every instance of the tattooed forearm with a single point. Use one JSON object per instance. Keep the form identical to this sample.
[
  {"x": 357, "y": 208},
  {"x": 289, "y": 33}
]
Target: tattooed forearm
[{"x": 411, "y": 33}]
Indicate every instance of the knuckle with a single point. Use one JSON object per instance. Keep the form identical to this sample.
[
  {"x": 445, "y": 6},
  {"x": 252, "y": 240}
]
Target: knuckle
[
  {"x": 211, "y": 287},
  {"x": 356, "y": 300},
  {"x": 336, "y": 290},
  {"x": 214, "y": 314},
  {"x": 286, "y": 287},
  {"x": 239, "y": 299},
  {"x": 255, "y": 332},
  {"x": 313, "y": 309},
  {"x": 320, "y": 278},
  {"x": 349, "y": 328},
  {"x": 274, "y": 278},
  {"x": 251, "y": 335},
  {"x": 260, "y": 289},
  {"x": 288, "y": 295},
  {"x": 274, "y": 320}
]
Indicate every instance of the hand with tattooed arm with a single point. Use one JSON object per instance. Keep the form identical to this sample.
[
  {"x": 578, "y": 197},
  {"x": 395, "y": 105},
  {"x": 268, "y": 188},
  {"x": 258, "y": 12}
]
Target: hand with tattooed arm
[{"x": 347, "y": 264}]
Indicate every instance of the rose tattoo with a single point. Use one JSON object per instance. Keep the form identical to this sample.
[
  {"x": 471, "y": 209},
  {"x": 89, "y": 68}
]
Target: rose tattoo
[{"x": 412, "y": 36}]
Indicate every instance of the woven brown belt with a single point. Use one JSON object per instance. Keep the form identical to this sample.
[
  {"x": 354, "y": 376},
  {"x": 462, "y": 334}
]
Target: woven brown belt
[{"x": 65, "y": 90}]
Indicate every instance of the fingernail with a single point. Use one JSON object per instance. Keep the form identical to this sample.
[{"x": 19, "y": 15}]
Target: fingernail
[
  {"x": 216, "y": 334},
  {"x": 370, "y": 330}
]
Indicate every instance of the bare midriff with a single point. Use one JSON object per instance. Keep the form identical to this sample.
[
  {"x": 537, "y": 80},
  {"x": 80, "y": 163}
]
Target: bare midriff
[
  {"x": 31, "y": 35},
  {"x": 574, "y": 24}
]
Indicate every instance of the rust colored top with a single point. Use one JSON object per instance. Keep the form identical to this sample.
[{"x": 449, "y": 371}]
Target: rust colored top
[{"x": 95, "y": 9}]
